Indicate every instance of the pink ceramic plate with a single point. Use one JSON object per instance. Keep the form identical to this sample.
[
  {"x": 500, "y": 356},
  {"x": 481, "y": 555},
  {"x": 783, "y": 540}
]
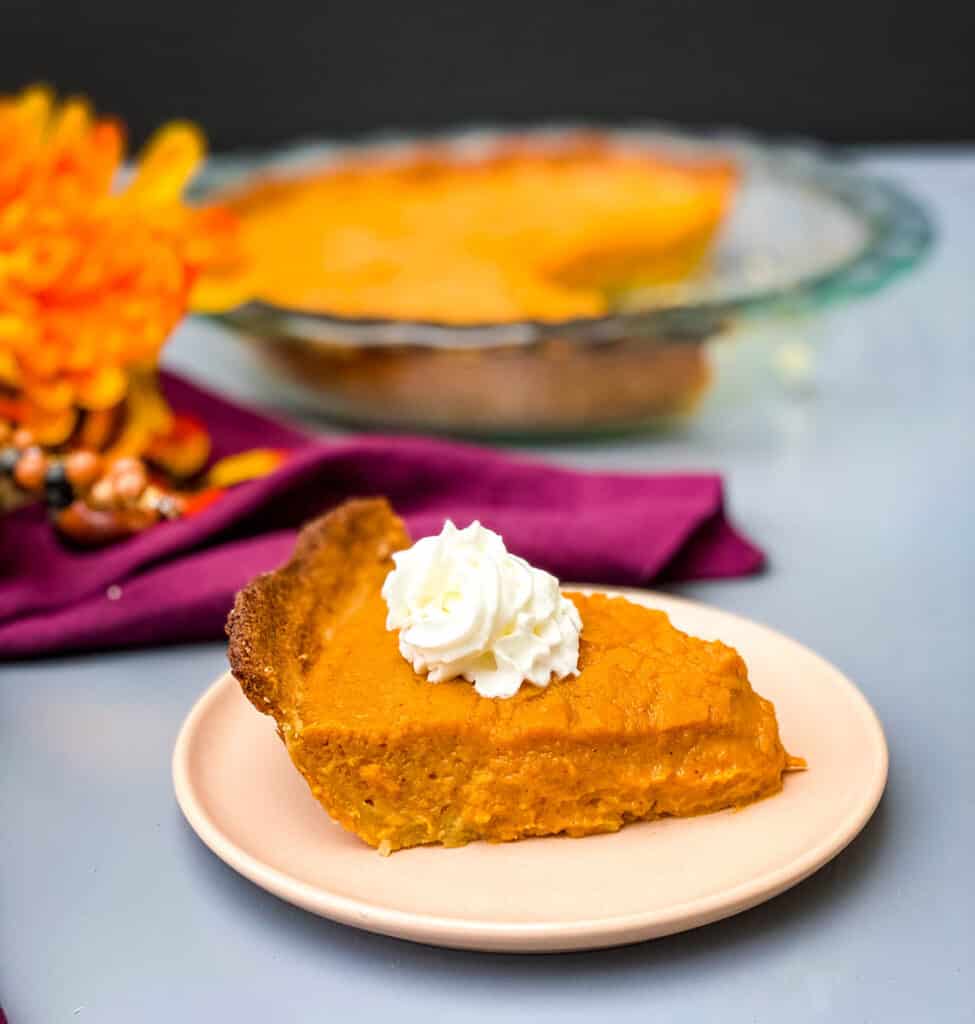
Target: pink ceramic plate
[{"x": 239, "y": 791}]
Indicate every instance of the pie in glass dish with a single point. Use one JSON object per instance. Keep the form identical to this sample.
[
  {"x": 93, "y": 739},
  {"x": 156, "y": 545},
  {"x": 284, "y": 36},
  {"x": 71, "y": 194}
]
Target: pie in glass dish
[{"x": 531, "y": 229}]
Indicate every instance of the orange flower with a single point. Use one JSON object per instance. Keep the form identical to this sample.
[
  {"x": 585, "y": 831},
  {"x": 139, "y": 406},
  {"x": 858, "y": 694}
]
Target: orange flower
[{"x": 93, "y": 277}]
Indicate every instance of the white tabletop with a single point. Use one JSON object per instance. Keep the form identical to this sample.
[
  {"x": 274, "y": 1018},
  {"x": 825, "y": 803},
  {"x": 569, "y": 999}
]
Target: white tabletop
[{"x": 860, "y": 488}]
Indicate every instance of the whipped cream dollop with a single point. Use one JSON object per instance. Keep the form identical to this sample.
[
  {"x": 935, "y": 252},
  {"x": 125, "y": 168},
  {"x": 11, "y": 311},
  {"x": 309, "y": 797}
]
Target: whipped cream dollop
[{"x": 466, "y": 607}]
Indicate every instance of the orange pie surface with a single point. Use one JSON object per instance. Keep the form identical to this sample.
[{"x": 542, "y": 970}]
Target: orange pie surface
[
  {"x": 656, "y": 723},
  {"x": 526, "y": 231}
]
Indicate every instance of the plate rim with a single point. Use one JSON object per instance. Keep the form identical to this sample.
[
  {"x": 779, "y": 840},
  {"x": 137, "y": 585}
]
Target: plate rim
[{"x": 590, "y": 933}]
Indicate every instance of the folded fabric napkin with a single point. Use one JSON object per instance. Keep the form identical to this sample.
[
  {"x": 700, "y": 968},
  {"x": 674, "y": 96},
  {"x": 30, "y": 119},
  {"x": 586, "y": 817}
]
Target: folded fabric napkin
[{"x": 176, "y": 581}]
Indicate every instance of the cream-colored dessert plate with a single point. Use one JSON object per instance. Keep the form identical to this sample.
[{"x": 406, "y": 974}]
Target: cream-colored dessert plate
[{"x": 240, "y": 793}]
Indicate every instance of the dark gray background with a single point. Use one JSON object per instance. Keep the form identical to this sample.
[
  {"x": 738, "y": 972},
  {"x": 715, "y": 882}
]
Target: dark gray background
[{"x": 257, "y": 73}]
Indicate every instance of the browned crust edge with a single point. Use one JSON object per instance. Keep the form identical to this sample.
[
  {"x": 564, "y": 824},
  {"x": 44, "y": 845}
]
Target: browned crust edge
[{"x": 273, "y": 625}]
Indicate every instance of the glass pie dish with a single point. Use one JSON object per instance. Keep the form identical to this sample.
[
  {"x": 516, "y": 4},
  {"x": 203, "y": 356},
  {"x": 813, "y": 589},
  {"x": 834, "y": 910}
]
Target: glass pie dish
[{"x": 805, "y": 231}]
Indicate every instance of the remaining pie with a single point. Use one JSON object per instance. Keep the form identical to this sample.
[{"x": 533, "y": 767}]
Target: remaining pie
[
  {"x": 526, "y": 229},
  {"x": 656, "y": 722},
  {"x": 558, "y": 229}
]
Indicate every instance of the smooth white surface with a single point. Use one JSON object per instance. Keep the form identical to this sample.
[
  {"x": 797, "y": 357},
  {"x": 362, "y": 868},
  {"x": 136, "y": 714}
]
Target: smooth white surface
[
  {"x": 860, "y": 486},
  {"x": 239, "y": 791}
]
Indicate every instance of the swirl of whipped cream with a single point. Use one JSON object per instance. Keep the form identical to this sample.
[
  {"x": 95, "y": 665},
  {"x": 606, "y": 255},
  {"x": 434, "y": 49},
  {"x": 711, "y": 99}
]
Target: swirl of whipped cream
[{"x": 466, "y": 607}]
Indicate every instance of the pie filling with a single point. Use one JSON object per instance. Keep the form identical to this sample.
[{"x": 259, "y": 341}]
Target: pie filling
[{"x": 530, "y": 230}]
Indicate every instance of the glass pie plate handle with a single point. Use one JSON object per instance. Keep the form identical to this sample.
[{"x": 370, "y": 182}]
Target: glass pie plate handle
[{"x": 807, "y": 230}]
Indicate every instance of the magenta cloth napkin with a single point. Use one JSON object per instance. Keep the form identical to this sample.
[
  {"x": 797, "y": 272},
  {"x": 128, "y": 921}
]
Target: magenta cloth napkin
[{"x": 176, "y": 581}]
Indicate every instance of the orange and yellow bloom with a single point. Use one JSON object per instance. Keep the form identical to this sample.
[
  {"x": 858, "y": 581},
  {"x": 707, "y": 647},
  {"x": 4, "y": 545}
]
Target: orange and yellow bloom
[{"x": 97, "y": 266}]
